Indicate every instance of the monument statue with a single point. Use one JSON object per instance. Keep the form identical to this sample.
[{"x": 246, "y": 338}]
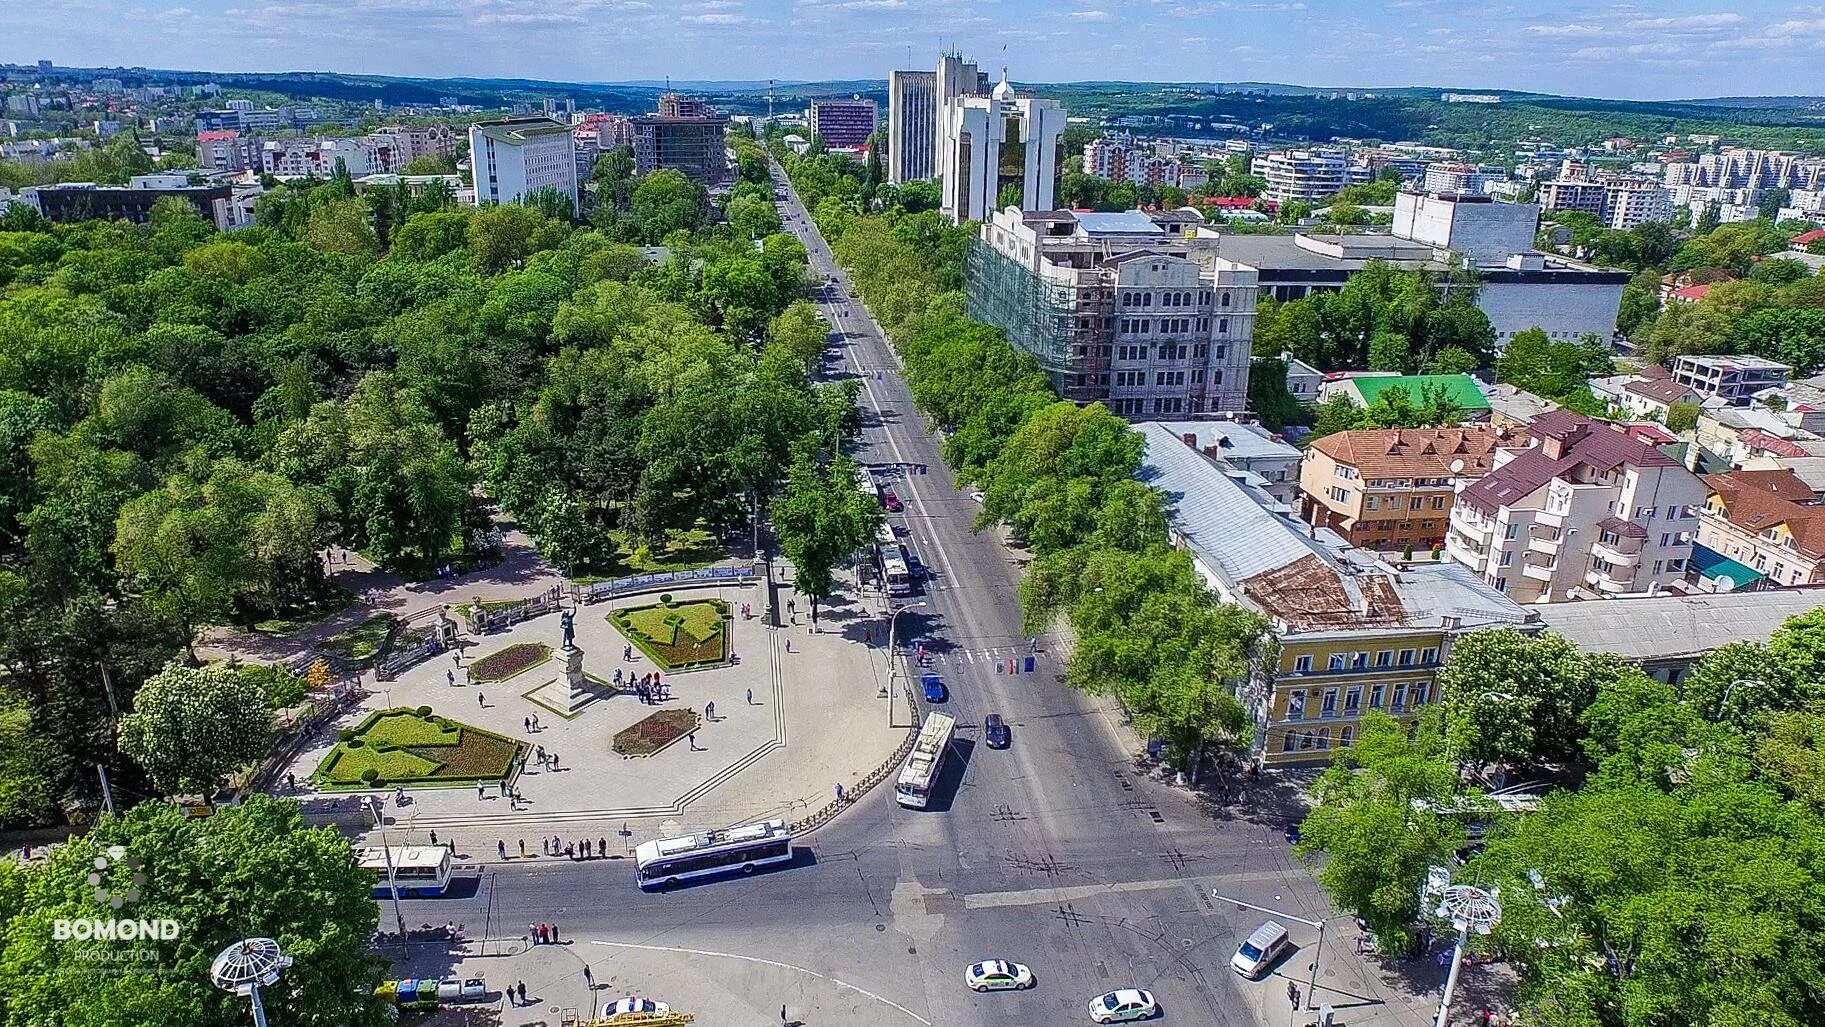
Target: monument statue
[{"x": 568, "y": 619}]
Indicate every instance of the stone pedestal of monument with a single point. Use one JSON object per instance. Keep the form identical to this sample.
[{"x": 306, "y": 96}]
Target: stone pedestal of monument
[{"x": 577, "y": 694}]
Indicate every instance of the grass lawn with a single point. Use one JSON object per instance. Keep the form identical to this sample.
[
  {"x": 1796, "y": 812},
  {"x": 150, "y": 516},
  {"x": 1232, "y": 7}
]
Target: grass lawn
[
  {"x": 682, "y": 551},
  {"x": 400, "y": 747},
  {"x": 679, "y": 635},
  {"x": 361, "y": 642}
]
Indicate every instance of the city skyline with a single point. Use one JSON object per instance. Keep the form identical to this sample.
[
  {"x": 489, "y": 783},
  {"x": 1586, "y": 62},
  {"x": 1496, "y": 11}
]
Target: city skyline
[{"x": 1672, "y": 51}]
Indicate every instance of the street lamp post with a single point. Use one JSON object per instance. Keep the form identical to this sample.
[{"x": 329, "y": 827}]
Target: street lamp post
[
  {"x": 1468, "y": 908},
  {"x": 893, "y": 621},
  {"x": 1311, "y": 987},
  {"x": 247, "y": 966}
]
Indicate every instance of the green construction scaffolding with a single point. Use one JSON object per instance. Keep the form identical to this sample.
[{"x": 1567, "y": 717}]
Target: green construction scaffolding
[{"x": 1036, "y": 316}]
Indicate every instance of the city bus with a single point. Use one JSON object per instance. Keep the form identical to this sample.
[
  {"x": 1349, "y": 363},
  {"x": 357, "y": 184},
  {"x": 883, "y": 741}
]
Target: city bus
[
  {"x": 668, "y": 861},
  {"x": 914, "y": 788},
  {"x": 418, "y": 870}
]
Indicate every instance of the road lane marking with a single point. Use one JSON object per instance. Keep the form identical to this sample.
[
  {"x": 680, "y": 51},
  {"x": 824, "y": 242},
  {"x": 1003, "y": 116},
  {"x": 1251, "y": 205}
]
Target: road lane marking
[
  {"x": 767, "y": 962},
  {"x": 1046, "y": 896}
]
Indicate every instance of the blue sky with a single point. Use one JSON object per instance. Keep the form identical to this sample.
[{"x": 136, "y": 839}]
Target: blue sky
[{"x": 1671, "y": 49}]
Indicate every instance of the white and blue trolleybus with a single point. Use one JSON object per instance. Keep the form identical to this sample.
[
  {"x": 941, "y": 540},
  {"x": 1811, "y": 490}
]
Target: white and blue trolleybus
[
  {"x": 914, "y": 787},
  {"x": 737, "y": 850},
  {"x": 416, "y": 870}
]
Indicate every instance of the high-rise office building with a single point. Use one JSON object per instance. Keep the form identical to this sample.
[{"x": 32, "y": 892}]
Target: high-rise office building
[
  {"x": 843, "y": 123},
  {"x": 912, "y": 126},
  {"x": 975, "y": 130},
  {"x": 517, "y": 157}
]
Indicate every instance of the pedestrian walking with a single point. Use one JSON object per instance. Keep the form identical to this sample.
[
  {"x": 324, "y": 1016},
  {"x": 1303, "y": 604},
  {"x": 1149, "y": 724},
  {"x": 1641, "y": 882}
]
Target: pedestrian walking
[
  {"x": 586, "y": 848},
  {"x": 782, "y": 1014},
  {"x": 589, "y": 978},
  {"x": 839, "y": 791},
  {"x": 570, "y": 850},
  {"x": 433, "y": 837},
  {"x": 709, "y": 711},
  {"x": 480, "y": 699},
  {"x": 450, "y": 676},
  {"x": 792, "y": 607},
  {"x": 554, "y": 761},
  {"x": 692, "y": 738},
  {"x": 522, "y": 993},
  {"x": 750, "y": 697},
  {"x": 526, "y": 722},
  {"x": 602, "y": 846},
  {"x": 551, "y": 934},
  {"x": 456, "y": 656},
  {"x": 627, "y": 654},
  {"x": 481, "y": 790},
  {"x": 541, "y": 751},
  {"x": 291, "y": 782},
  {"x": 500, "y": 846},
  {"x": 522, "y": 848},
  {"x": 788, "y": 645},
  {"x": 535, "y": 722}
]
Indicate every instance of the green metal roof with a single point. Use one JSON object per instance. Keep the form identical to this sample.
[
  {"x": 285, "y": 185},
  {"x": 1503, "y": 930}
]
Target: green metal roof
[
  {"x": 1713, "y": 564},
  {"x": 1460, "y": 387}
]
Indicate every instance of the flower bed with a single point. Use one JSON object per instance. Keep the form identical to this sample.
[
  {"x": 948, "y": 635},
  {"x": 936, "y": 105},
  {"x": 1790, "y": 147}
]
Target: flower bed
[
  {"x": 515, "y": 659},
  {"x": 413, "y": 747},
  {"x": 675, "y": 636},
  {"x": 655, "y": 732}
]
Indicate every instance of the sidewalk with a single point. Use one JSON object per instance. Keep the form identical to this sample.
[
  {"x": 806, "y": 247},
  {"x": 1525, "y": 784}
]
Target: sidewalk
[{"x": 788, "y": 728}]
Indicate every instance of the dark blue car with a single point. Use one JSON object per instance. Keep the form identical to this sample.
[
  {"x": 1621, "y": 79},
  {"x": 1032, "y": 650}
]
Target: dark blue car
[{"x": 934, "y": 688}]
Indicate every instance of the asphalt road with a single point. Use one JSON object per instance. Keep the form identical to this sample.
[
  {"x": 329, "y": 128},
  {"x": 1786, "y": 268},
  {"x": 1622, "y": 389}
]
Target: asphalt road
[{"x": 1057, "y": 852}]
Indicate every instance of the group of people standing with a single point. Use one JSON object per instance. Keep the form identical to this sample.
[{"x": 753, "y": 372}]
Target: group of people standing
[{"x": 651, "y": 688}]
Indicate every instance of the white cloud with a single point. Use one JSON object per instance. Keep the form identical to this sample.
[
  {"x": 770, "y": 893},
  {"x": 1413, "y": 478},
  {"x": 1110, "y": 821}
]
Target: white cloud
[
  {"x": 1691, "y": 21},
  {"x": 1090, "y": 15},
  {"x": 1566, "y": 31},
  {"x": 714, "y": 18}
]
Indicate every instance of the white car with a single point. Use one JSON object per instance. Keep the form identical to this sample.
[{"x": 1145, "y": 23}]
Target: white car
[
  {"x": 976, "y": 494},
  {"x": 636, "y": 1004},
  {"x": 1124, "y": 1005},
  {"x": 997, "y": 975}
]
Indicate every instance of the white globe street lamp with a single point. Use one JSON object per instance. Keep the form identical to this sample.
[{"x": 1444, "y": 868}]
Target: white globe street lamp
[
  {"x": 1468, "y": 908},
  {"x": 247, "y": 966}
]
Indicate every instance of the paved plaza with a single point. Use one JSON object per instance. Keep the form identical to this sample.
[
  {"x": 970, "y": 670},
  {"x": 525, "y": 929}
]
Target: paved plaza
[{"x": 797, "y": 713}]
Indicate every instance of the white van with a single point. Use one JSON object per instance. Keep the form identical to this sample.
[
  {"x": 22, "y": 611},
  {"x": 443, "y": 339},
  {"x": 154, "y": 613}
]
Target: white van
[{"x": 1259, "y": 952}]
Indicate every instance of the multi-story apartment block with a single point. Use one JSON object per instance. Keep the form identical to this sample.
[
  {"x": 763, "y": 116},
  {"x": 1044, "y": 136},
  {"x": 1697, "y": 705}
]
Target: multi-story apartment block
[
  {"x": 1589, "y": 512},
  {"x": 1352, "y": 632},
  {"x": 975, "y": 132},
  {"x": 1392, "y": 488},
  {"x": 678, "y": 105},
  {"x": 516, "y": 157},
  {"x": 1302, "y": 174},
  {"x": 83, "y": 201},
  {"x": 1115, "y": 308},
  {"x": 319, "y": 157},
  {"x": 409, "y": 142},
  {"x": 1444, "y": 177},
  {"x": 912, "y": 126},
  {"x": 1620, "y": 203},
  {"x": 1770, "y": 521},
  {"x": 227, "y": 150},
  {"x": 1733, "y": 380},
  {"x": 841, "y": 123},
  {"x": 1116, "y": 158}
]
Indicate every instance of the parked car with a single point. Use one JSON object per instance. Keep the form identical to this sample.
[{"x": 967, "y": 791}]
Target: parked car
[
  {"x": 636, "y": 1004},
  {"x": 891, "y": 501},
  {"x": 997, "y": 975},
  {"x": 1258, "y": 952},
  {"x": 914, "y": 566},
  {"x": 995, "y": 731},
  {"x": 1123, "y": 1006},
  {"x": 976, "y": 494},
  {"x": 472, "y": 989}
]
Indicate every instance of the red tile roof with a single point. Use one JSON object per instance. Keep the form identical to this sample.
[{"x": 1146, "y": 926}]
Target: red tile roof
[
  {"x": 1805, "y": 239},
  {"x": 1758, "y": 439},
  {"x": 217, "y": 135},
  {"x": 1755, "y": 501},
  {"x": 1419, "y": 452},
  {"x": 1579, "y": 440},
  {"x": 1690, "y": 294}
]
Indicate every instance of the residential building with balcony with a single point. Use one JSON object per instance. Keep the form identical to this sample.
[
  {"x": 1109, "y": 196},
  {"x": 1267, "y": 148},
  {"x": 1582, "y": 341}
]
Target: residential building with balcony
[
  {"x": 410, "y": 142},
  {"x": 1117, "y": 157},
  {"x": 1587, "y": 512},
  {"x": 1308, "y": 175},
  {"x": 1116, "y": 308},
  {"x": 1389, "y": 488},
  {"x": 1352, "y": 633},
  {"x": 1733, "y": 380},
  {"x": 1771, "y": 521},
  {"x": 316, "y": 157}
]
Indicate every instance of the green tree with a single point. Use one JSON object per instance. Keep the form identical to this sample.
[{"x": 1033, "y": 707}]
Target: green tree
[
  {"x": 249, "y": 871},
  {"x": 664, "y": 202},
  {"x": 341, "y": 226},
  {"x": 1512, "y": 696},
  {"x": 822, "y": 519},
  {"x": 1378, "y": 821},
  {"x": 1683, "y": 417},
  {"x": 802, "y": 331},
  {"x": 193, "y": 726},
  {"x": 1452, "y": 360}
]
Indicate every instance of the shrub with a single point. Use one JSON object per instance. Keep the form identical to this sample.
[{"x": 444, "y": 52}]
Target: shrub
[
  {"x": 424, "y": 711},
  {"x": 345, "y": 734},
  {"x": 666, "y": 598},
  {"x": 370, "y": 776},
  {"x": 355, "y": 743},
  {"x": 1406, "y": 551}
]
